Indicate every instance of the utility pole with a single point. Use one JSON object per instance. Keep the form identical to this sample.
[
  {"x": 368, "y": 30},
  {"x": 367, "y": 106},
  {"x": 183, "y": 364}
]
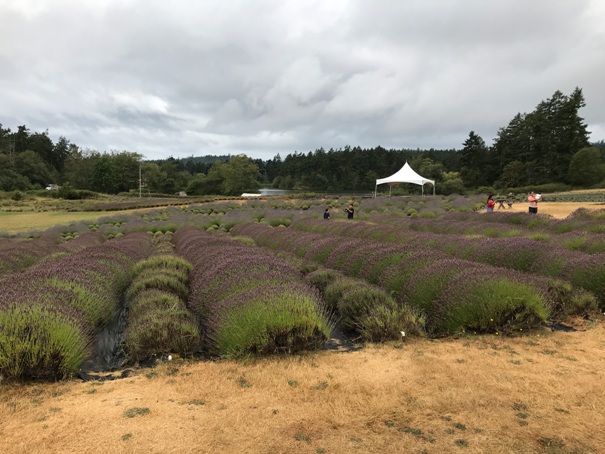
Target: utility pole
[{"x": 140, "y": 179}]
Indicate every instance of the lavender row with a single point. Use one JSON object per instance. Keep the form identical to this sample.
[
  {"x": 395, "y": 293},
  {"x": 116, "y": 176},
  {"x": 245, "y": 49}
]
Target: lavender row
[
  {"x": 158, "y": 320},
  {"x": 521, "y": 254},
  {"x": 400, "y": 270},
  {"x": 18, "y": 255},
  {"x": 50, "y": 313},
  {"x": 248, "y": 300}
]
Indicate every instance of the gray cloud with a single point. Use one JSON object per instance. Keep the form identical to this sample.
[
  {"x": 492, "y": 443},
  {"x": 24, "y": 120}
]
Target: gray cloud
[{"x": 265, "y": 77}]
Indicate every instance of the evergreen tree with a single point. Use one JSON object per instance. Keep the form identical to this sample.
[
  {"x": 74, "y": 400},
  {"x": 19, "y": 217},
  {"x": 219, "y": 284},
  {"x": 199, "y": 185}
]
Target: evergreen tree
[
  {"x": 586, "y": 167},
  {"x": 543, "y": 141},
  {"x": 473, "y": 160}
]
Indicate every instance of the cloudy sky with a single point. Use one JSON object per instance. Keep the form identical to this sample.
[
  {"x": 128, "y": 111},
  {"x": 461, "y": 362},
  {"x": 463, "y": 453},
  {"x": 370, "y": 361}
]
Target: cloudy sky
[{"x": 261, "y": 77}]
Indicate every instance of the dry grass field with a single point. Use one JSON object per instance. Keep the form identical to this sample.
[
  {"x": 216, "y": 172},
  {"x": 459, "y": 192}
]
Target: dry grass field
[
  {"x": 540, "y": 393},
  {"x": 555, "y": 209}
]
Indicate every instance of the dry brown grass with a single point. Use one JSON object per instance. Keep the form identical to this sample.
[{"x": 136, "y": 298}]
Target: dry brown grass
[
  {"x": 542, "y": 393},
  {"x": 556, "y": 209}
]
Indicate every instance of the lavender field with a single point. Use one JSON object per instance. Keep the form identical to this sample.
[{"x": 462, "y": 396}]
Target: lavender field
[{"x": 264, "y": 277}]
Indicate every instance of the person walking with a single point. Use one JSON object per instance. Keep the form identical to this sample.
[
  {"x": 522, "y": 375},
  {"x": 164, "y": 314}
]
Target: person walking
[
  {"x": 327, "y": 214},
  {"x": 490, "y": 203},
  {"x": 533, "y": 200},
  {"x": 350, "y": 212}
]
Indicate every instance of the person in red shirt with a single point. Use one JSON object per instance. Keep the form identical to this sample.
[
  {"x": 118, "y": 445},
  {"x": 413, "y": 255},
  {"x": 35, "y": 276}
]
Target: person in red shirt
[{"x": 490, "y": 203}]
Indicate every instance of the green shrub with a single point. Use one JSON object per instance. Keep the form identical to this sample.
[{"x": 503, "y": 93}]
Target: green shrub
[
  {"x": 589, "y": 274},
  {"x": 574, "y": 243},
  {"x": 395, "y": 277},
  {"x": 384, "y": 263},
  {"x": 162, "y": 331},
  {"x": 151, "y": 299},
  {"x": 158, "y": 281},
  {"x": 384, "y": 323},
  {"x": 427, "y": 215},
  {"x": 334, "y": 291},
  {"x": 180, "y": 274},
  {"x": 483, "y": 304},
  {"x": 595, "y": 246},
  {"x": 568, "y": 300},
  {"x": 170, "y": 261},
  {"x": 491, "y": 232},
  {"x": 279, "y": 222},
  {"x": 38, "y": 342},
  {"x": 245, "y": 240},
  {"x": 356, "y": 303},
  {"x": 322, "y": 278},
  {"x": 285, "y": 323},
  {"x": 539, "y": 236},
  {"x": 97, "y": 307},
  {"x": 306, "y": 267},
  {"x": 424, "y": 288}
]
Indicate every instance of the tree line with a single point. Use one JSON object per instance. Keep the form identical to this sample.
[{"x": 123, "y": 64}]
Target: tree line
[{"x": 549, "y": 145}]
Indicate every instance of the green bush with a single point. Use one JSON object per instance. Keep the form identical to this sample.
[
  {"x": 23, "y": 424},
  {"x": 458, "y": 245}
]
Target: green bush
[
  {"x": 161, "y": 331},
  {"x": 334, "y": 291},
  {"x": 424, "y": 288},
  {"x": 589, "y": 274},
  {"x": 278, "y": 222},
  {"x": 245, "y": 240},
  {"x": 179, "y": 274},
  {"x": 158, "y": 281},
  {"x": 97, "y": 307},
  {"x": 357, "y": 302},
  {"x": 384, "y": 323},
  {"x": 382, "y": 264},
  {"x": 483, "y": 304},
  {"x": 574, "y": 243},
  {"x": 286, "y": 323},
  {"x": 169, "y": 261},
  {"x": 151, "y": 299},
  {"x": 38, "y": 342},
  {"x": 568, "y": 300},
  {"x": 322, "y": 278}
]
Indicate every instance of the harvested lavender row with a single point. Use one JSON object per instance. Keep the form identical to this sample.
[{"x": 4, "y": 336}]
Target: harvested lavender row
[
  {"x": 248, "y": 300},
  {"x": 50, "y": 313},
  {"x": 158, "y": 320}
]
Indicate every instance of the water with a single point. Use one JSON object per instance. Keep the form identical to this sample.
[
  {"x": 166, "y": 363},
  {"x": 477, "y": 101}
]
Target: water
[{"x": 269, "y": 191}]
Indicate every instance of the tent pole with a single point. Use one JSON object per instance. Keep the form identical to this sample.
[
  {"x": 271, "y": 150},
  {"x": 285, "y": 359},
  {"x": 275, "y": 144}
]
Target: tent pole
[{"x": 375, "y": 189}]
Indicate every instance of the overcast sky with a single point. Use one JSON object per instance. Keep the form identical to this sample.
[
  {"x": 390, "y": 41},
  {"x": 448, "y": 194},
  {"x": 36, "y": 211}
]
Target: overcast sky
[{"x": 261, "y": 77}]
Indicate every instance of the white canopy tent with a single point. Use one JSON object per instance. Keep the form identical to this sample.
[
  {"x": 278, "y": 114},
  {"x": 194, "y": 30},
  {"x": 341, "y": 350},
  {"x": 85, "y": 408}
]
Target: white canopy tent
[{"x": 405, "y": 175}]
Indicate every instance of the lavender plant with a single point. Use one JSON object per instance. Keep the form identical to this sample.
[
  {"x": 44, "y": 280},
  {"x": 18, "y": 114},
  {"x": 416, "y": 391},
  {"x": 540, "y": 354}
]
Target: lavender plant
[{"x": 249, "y": 301}]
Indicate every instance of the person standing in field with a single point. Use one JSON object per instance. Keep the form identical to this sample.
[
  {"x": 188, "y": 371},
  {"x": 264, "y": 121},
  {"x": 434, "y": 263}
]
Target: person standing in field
[
  {"x": 350, "y": 212},
  {"x": 490, "y": 203},
  {"x": 533, "y": 200},
  {"x": 327, "y": 214}
]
